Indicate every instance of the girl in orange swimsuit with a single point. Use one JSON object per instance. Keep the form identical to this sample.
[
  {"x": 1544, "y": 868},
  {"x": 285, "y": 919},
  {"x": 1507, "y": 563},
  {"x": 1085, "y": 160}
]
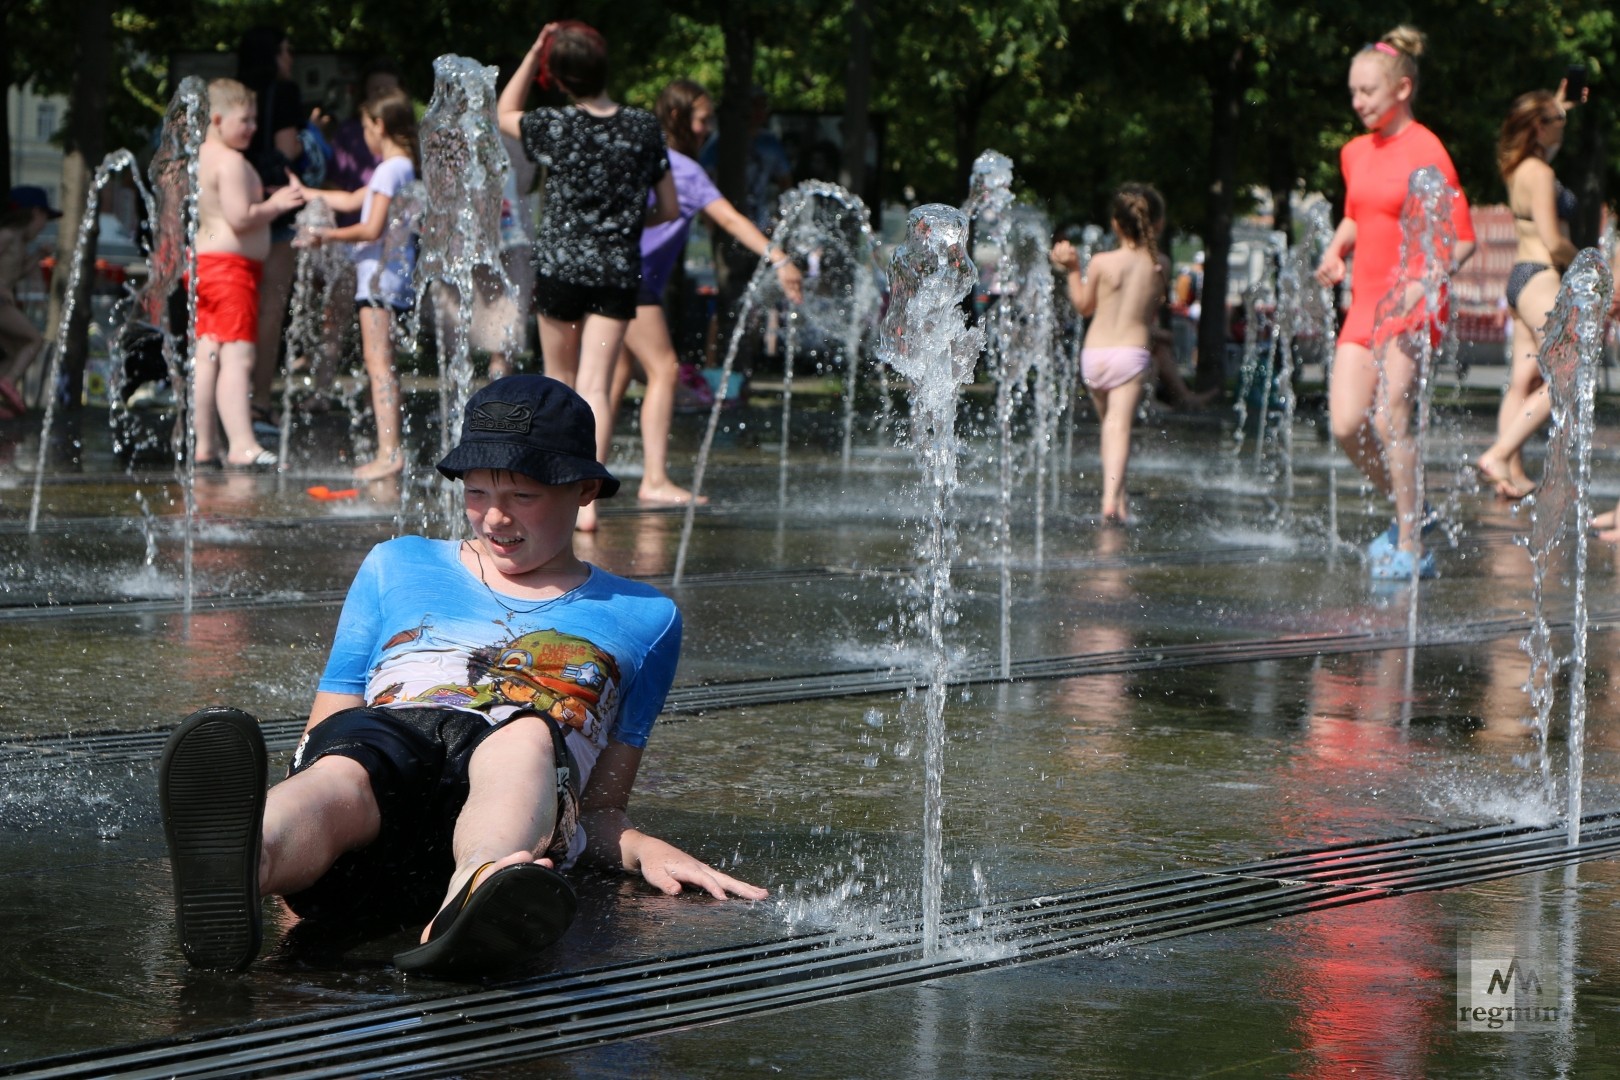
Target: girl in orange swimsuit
[{"x": 1374, "y": 427}]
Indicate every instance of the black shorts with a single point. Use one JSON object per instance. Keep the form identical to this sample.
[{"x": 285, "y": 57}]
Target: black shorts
[
  {"x": 417, "y": 759},
  {"x": 564, "y": 300}
]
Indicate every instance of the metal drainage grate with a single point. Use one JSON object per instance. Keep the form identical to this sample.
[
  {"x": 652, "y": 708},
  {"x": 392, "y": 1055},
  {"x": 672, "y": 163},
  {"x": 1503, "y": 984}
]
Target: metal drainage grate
[{"x": 560, "y": 1013}]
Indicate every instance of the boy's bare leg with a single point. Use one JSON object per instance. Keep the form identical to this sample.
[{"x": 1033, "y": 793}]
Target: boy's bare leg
[
  {"x": 232, "y": 397},
  {"x": 1116, "y": 411},
  {"x": 204, "y": 387},
  {"x": 376, "y": 328},
  {"x": 511, "y": 808},
  {"x": 310, "y": 819}
]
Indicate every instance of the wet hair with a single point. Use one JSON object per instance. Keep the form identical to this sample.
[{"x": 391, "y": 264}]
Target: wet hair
[
  {"x": 256, "y": 56},
  {"x": 1132, "y": 211},
  {"x": 1400, "y": 50},
  {"x": 1517, "y": 140},
  {"x": 574, "y": 59},
  {"x": 674, "y": 108},
  {"x": 224, "y": 94},
  {"x": 398, "y": 118}
]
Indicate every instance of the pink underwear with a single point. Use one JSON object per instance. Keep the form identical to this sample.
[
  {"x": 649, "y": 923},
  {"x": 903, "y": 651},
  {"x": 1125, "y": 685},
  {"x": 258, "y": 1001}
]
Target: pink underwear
[{"x": 1115, "y": 365}]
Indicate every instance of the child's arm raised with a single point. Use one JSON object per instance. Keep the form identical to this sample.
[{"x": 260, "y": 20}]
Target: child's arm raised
[
  {"x": 238, "y": 184},
  {"x": 509, "y": 106},
  {"x": 611, "y": 840}
]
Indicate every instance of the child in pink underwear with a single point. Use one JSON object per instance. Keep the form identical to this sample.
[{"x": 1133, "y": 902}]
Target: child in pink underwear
[{"x": 1121, "y": 292}]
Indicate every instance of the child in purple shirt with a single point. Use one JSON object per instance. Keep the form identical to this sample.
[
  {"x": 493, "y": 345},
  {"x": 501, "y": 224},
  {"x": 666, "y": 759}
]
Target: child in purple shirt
[{"x": 686, "y": 114}]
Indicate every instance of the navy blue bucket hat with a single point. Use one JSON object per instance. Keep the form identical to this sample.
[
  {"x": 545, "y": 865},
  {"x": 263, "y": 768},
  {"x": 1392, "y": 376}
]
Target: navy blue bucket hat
[{"x": 532, "y": 425}]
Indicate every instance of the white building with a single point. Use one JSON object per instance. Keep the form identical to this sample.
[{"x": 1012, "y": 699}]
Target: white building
[{"x": 35, "y": 119}]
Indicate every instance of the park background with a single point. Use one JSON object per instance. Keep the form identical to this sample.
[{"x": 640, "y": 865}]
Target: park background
[{"x": 1225, "y": 106}]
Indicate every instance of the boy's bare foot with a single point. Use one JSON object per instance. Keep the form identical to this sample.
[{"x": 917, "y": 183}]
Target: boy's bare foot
[
  {"x": 667, "y": 494},
  {"x": 381, "y": 466},
  {"x": 1495, "y": 471}
]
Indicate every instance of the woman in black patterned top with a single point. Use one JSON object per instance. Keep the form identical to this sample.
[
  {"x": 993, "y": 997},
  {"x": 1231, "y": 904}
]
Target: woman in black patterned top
[{"x": 601, "y": 159}]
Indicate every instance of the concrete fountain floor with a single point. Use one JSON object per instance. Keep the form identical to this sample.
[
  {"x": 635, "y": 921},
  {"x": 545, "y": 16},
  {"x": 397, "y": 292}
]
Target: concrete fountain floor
[{"x": 1211, "y": 687}]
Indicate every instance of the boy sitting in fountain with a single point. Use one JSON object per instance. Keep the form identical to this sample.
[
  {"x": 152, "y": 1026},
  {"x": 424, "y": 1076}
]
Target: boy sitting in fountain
[{"x": 479, "y": 725}]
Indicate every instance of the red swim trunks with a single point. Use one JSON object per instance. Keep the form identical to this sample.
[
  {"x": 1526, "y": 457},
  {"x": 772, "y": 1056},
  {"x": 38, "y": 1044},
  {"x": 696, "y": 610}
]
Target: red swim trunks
[{"x": 228, "y": 296}]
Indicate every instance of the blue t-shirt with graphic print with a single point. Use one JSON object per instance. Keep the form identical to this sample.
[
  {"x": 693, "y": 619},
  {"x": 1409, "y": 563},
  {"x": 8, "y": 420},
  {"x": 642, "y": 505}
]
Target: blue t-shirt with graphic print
[{"x": 419, "y": 629}]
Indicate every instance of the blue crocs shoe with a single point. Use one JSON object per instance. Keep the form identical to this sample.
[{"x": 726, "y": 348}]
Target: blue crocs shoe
[
  {"x": 1396, "y": 565},
  {"x": 1383, "y": 543}
]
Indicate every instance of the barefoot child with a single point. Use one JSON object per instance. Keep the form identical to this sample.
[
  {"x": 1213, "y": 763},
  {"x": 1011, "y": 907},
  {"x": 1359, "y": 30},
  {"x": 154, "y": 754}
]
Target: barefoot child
[
  {"x": 478, "y": 728},
  {"x": 686, "y": 113},
  {"x": 1120, "y": 293},
  {"x": 233, "y": 238},
  {"x": 383, "y": 289}
]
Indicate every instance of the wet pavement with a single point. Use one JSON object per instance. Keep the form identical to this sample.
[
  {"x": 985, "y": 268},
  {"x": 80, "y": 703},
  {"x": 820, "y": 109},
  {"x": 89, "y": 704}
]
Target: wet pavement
[{"x": 1212, "y": 686}]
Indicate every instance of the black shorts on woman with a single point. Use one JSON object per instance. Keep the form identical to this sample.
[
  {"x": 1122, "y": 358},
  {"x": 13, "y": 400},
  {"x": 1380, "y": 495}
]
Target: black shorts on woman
[{"x": 417, "y": 759}]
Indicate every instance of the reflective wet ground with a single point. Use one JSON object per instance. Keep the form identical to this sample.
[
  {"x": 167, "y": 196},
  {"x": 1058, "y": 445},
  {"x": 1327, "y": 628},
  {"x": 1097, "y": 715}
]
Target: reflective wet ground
[{"x": 1217, "y": 684}]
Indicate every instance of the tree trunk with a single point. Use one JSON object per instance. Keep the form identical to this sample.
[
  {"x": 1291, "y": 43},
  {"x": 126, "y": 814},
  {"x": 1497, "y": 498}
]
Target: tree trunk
[
  {"x": 1590, "y": 192},
  {"x": 86, "y": 134},
  {"x": 1281, "y": 178},
  {"x": 857, "y": 101},
  {"x": 966, "y": 135},
  {"x": 736, "y": 103},
  {"x": 1226, "y": 99}
]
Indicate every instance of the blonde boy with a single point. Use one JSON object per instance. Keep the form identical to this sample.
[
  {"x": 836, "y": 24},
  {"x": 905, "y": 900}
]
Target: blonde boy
[{"x": 233, "y": 238}]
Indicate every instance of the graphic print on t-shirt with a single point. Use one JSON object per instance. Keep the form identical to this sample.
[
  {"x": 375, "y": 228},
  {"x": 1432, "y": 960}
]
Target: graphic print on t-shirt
[{"x": 548, "y": 672}]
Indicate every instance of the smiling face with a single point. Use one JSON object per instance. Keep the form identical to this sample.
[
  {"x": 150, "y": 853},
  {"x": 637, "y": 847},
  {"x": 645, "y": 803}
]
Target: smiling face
[
  {"x": 237, "y": 125},
  {"x": 1377, "y": 96},
  {"x": 522, "y": 526}
]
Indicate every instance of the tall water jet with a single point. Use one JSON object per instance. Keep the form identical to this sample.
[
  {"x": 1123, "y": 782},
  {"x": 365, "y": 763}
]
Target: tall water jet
[
  {"x": 988, "y": 209},
  {"x": 171, "y": 206},
  {"x": 1031, "y": 335},
  {"x": 925, "y": 339},
  {"x": 827, "y": 231},
  {"x": 1259, "y": 352},
  {"x": 762, "y": 288},
  {"x": 1411, "y": 326},
  {"x": 320, "y": 272},
  {"x": 464, "y": 167},
  {"x": 1571, "y": 355}
]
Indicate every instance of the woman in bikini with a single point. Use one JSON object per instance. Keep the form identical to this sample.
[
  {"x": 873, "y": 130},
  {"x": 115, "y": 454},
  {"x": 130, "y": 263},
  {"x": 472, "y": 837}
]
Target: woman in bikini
[{"x": 1542, "y": 207}]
